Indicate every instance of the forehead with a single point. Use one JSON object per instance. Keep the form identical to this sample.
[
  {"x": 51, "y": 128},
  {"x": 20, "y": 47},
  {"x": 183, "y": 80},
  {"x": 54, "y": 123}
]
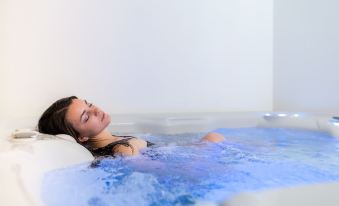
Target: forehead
[{"x": 75, "y": 110}]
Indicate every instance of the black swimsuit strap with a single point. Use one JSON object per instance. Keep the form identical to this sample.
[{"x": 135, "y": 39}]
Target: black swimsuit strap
[
  {"x": 108, "y": 150},
  {"x": 149, "y": 144},
  {"x": 124, "y": 136}
]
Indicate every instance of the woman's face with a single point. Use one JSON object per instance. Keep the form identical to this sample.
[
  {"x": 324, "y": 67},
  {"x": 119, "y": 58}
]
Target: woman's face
[{"x": 86, "y": 118}]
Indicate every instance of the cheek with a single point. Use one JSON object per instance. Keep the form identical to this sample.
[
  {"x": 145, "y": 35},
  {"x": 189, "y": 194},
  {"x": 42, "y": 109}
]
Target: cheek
[
  {"x": 77, "y": 128},
  {"x": 95, "y": 124},
  {"x": 87, "y": 128}
]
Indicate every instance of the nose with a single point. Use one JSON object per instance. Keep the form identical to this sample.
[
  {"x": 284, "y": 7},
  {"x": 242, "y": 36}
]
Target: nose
[{"x": 95, "y": 110}]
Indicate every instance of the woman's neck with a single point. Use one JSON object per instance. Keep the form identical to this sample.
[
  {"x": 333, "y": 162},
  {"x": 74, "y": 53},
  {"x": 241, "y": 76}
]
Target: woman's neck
[{"x": 102, "y": 139}]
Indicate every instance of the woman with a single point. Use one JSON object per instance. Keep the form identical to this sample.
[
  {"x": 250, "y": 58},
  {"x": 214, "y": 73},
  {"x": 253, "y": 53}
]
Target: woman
[{"x": 87, "y": 124}]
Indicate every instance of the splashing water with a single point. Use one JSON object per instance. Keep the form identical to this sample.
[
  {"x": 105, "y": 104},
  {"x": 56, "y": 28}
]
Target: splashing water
[{"x": 180, "y": 171}]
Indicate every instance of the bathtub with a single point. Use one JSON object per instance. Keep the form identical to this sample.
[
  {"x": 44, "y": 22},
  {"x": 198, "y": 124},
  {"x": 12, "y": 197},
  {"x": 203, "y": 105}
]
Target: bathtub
[{"x": 27, "y": 155}]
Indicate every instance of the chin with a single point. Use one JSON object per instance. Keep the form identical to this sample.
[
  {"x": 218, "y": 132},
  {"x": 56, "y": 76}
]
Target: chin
[{"x": 109, "y": 119}]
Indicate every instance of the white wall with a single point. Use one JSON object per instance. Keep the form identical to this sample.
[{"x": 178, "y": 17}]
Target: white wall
[
  {"x": 2, "y": 53},
  {"x": 306, "y": 55},
  {"x": 138, "y": 56}
]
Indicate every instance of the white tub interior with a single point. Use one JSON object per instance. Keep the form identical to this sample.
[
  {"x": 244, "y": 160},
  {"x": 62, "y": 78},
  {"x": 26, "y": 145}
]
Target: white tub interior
[{"x": 25, "y": 160}]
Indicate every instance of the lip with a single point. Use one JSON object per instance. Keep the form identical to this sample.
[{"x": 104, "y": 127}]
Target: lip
[{"x": 103, "y": 116}]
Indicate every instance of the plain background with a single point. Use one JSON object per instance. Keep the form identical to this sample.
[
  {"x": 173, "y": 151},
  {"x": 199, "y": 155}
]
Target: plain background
[
  {"x": 306, "y": 55},
  {"x": 150, "y": 56},
  {"x": 157, "y": 56}
]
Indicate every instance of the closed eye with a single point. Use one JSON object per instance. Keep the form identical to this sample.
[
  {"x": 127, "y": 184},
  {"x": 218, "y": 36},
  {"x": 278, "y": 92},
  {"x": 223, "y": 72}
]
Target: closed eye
[{"x": 87, "y": 118}]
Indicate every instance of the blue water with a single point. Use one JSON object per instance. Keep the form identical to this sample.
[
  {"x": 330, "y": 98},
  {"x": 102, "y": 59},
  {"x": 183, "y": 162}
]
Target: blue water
[{"x": 180, "y": 171}]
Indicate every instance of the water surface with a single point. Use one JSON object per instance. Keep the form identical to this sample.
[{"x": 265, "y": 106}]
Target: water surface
[{"x": 181, "y": 171}]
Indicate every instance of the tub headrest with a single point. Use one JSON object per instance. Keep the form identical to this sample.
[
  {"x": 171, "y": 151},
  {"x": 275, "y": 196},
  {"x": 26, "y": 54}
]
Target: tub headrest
[{"x": 66, "y": 137}]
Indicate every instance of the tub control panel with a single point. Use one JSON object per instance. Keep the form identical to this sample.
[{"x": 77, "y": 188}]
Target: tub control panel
[{"x": 24, "y": 134}]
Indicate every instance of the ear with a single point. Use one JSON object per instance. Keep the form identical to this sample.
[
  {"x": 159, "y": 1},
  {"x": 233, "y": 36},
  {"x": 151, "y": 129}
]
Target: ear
[{"x": 83, "y": 139}]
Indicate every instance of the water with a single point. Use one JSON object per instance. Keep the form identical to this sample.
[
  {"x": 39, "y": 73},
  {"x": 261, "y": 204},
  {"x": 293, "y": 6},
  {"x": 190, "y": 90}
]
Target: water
[{"x": 181, "y": 172}]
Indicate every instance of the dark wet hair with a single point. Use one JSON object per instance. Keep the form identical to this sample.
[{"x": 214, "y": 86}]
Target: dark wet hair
[{"x": 53, "y": 120}]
